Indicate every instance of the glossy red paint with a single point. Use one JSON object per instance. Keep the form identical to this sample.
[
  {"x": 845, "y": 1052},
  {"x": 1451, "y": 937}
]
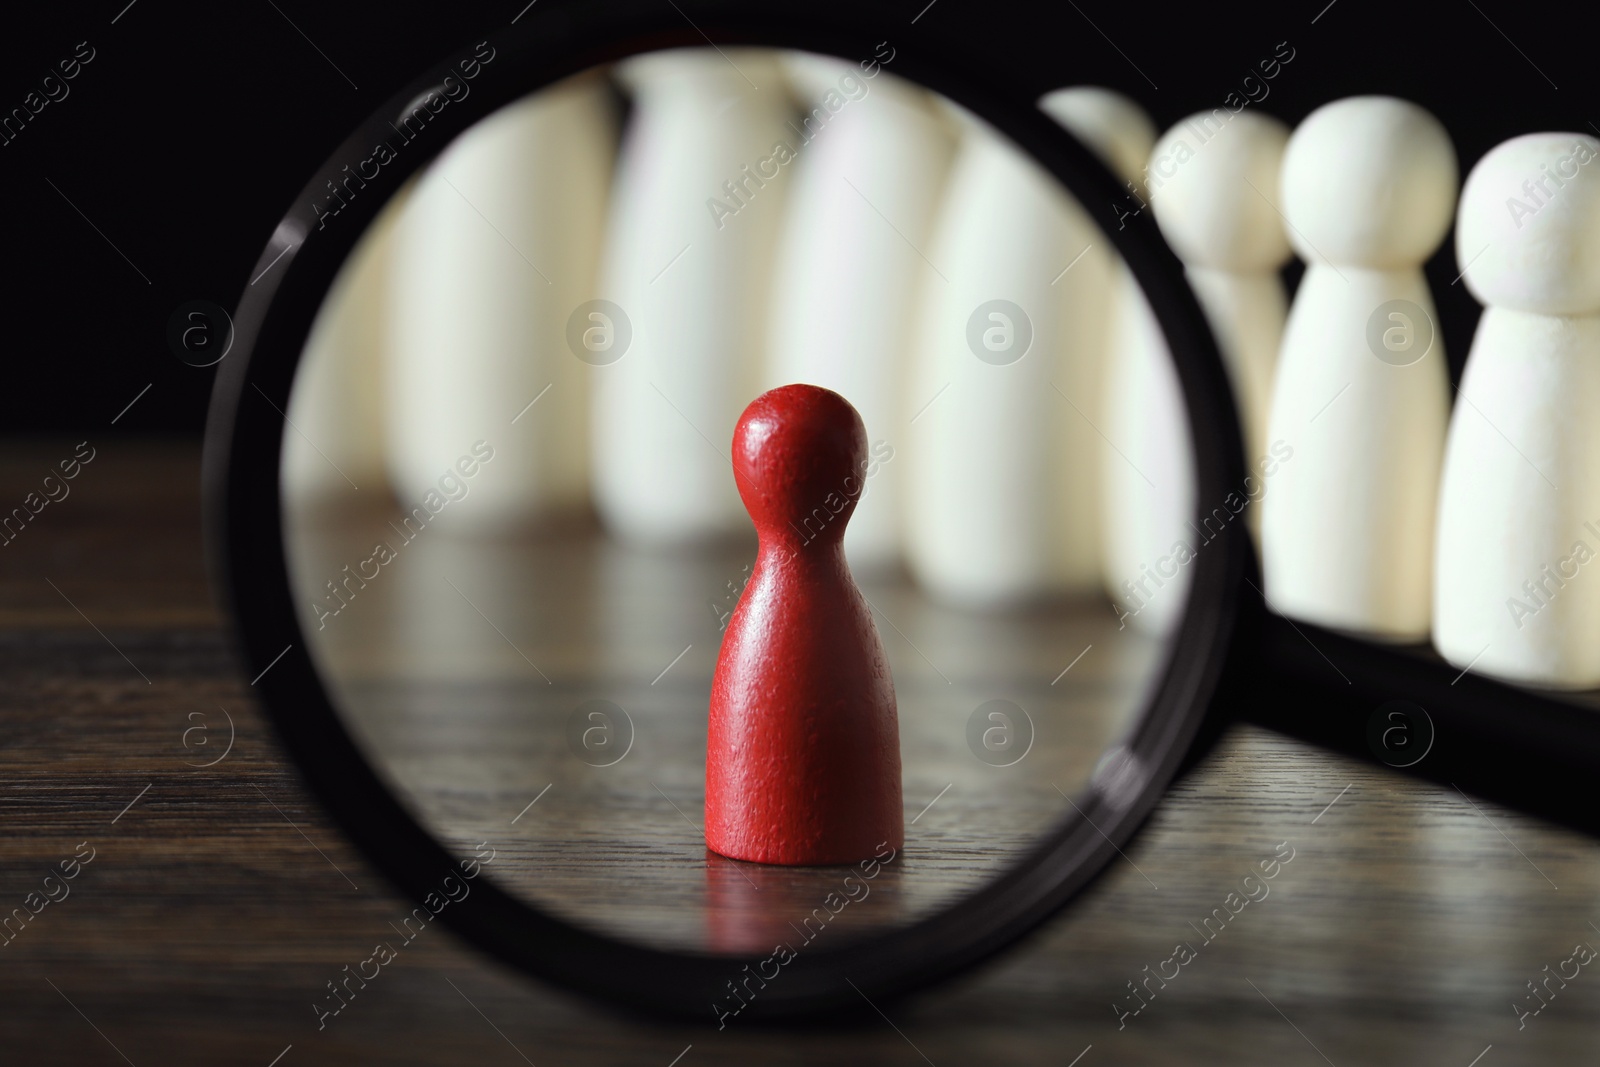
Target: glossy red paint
[{"x": 803, "y": 750}]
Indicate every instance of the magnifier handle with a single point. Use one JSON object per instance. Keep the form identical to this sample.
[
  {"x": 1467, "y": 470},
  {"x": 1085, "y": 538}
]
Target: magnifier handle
[{"x": 1520, "y": 748}]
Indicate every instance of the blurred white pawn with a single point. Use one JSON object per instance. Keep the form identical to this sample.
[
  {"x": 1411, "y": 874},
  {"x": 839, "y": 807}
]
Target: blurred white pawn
[
  {"x": 688, "y": 257},
  {"x": 1147, "y": 472},
  {"x": 334, "y": 443},
  {"x": 1111, "y": 125},
  {"x": 1217, "y": 209},
  {"x": 861, "y": 206},
  {"x": 990, "y": 481},
  {"x": 1362, "y": 392},
  {"x": 1145, "y": 462},
  {"x": 1519, "y": 508},
  {"x": 495, "y": 251},
  {"x": 1105, "y": 318}
]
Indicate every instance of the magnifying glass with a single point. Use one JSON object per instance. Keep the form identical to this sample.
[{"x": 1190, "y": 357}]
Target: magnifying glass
[{"x": 471, "y": 473}]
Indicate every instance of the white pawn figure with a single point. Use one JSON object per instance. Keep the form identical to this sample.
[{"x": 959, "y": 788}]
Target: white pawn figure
[
  {"x": 993, "y": 473},
  {"x": 334, "y": 443},
  {"x": 861, "y": 205},
  {"x": 1106, "y": 317},
  {"x": 494, "y": 252},
  {"x": 1147, "y": 472},
  {"x": 1109, "y": 124},
  {"x": 1146, "y": 490},
  {"x": 1217, "y": 209},
  {"x": 1362, "y": 392},
  {"x": 1519, "y": 507},
  {"x": 694, "y": 216}
]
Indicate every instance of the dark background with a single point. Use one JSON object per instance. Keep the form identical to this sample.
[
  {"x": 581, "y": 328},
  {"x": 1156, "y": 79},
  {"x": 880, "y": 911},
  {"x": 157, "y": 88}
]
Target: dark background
[{"x": 186, "y": 137}]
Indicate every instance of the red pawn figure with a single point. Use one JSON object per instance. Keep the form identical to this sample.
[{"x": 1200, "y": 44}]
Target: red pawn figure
[{"x": 803, "y": 751}]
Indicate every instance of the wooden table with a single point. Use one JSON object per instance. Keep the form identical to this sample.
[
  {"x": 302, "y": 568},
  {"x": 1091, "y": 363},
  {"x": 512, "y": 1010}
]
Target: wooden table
[
  {"x": 219, "y": 902},
  {"x": 474, "y": 666}
]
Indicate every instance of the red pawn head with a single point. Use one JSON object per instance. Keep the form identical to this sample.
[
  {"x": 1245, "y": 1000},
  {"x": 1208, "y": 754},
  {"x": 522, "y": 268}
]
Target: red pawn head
[
  {"x": 803, "y": 747},
  {"x": 800, "y": 460}
]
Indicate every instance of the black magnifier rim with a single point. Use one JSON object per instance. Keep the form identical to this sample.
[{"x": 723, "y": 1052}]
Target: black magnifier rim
[{"x": 241, "y": 474}]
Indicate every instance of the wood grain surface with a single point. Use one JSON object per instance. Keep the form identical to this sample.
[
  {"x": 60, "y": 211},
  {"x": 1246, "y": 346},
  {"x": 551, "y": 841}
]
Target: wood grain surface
[
  {"x": 219, "y": 900},
  {"x": 475, "y": 668}
]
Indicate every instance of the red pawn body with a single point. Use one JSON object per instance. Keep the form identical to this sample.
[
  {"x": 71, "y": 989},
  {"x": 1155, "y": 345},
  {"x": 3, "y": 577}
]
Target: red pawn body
[{"x": 803, "y": 751}]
